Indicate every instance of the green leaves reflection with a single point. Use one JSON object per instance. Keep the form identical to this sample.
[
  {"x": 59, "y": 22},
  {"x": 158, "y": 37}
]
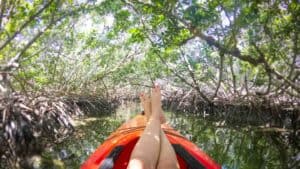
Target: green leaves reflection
[
  {"x": 235, "y": 147},
  {"x": 90, "y": 133}
]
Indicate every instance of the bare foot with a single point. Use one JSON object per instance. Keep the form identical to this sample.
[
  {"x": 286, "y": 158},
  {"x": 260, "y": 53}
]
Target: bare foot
[
  {"x": 155, "y": 102},
  {"x": 146, "y": 103},
  {"x": 157, "y": 94}
]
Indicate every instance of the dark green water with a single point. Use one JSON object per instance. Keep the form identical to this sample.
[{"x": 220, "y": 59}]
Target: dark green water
[{"x": 231, "y": 146}]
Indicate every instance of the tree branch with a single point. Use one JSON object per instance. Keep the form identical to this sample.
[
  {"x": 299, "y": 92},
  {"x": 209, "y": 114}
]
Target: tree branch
[
  {"x": 220, "y": 74},
  {"x": 271, "y": 70},
  {"x": 3, "y": 6},
  {"x": 31, "y": 18},
  {"x": 196, "y": 87}
]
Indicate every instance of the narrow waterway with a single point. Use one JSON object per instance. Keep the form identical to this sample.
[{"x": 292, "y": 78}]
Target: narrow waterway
[{"x": 247, "y": 147}]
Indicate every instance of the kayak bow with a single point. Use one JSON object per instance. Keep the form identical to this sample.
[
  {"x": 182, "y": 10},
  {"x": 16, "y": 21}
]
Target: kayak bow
[{"x": 115, "y": 152}]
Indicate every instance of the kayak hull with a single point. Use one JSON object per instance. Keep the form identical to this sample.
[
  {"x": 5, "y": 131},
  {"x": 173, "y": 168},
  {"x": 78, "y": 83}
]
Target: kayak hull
[{"x": 115, "y": 152}]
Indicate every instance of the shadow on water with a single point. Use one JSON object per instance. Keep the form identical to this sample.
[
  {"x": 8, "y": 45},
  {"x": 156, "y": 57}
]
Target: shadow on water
[{"x": 233, "y": 147}]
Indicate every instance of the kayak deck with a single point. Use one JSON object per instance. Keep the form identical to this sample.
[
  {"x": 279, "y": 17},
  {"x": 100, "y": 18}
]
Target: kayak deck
[{"x": 115, "y": 152}]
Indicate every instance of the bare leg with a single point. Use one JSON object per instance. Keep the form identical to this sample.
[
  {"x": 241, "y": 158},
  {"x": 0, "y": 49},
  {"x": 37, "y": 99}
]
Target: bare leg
[
  {"x": 146, "y": 104},
  {"x": 146, "y": 151},
  {"x": 167, "y": 158}
]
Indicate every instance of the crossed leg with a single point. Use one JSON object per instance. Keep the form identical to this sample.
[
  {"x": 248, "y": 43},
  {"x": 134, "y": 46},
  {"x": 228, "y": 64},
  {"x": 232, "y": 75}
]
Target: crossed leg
[
  {"x": 167, "y": 156},
  {"x": 146, "y": 151},
  {"x": 153, "y": 150}
]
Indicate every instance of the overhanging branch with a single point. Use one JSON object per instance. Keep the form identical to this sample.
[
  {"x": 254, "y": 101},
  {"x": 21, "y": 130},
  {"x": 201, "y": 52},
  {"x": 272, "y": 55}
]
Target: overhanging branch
[{"x": 31, "y": 18}]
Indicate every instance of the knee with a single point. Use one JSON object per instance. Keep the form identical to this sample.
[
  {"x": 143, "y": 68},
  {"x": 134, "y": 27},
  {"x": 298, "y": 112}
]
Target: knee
[{"x": 168, "y": 165}]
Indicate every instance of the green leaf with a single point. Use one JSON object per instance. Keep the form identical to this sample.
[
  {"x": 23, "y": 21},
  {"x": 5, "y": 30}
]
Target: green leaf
[{"x": 137, "y": 35}]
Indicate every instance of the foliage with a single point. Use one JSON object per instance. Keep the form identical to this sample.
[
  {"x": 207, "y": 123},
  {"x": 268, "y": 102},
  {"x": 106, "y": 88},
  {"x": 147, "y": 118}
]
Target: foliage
[
  {"x": 236, "y": 48},
  {"x": 236, "y": 51}
]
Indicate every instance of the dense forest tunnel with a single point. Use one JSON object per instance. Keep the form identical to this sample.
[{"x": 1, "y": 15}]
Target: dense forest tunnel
[{"x": 235, "y": 63}]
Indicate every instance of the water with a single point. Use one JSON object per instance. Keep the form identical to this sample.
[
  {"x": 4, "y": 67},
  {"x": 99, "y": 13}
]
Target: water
[
  {"x": 235, "y": 147},
  {"x": 231, "y": 146}
]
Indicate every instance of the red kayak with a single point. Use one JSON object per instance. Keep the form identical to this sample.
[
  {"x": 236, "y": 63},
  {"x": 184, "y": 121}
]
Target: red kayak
[{"x": 115, "y": 152}]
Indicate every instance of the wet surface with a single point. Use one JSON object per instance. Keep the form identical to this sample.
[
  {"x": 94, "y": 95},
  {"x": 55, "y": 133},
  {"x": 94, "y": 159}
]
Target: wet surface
[{"x": 231, "y": 146}]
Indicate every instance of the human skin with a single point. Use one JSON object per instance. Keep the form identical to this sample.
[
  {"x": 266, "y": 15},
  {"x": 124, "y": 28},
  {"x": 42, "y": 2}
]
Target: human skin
[{"x": 153, "y": 150}]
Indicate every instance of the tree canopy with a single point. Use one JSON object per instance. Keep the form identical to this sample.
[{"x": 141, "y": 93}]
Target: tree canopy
[
  {"x": 58, "y": 57},
  {"x": 219, "y": 49}
]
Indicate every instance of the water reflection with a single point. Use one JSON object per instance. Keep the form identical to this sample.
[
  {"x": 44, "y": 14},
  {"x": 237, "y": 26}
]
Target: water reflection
[
  {"x": 231, "y": 146},
  {"x": 90, "y": 133}
]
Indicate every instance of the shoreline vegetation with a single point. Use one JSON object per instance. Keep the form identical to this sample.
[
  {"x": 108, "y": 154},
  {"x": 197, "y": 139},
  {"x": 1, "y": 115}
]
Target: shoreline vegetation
[
  {"x": 31, "y": 122},
  {"x": 237, "y": 61}
]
